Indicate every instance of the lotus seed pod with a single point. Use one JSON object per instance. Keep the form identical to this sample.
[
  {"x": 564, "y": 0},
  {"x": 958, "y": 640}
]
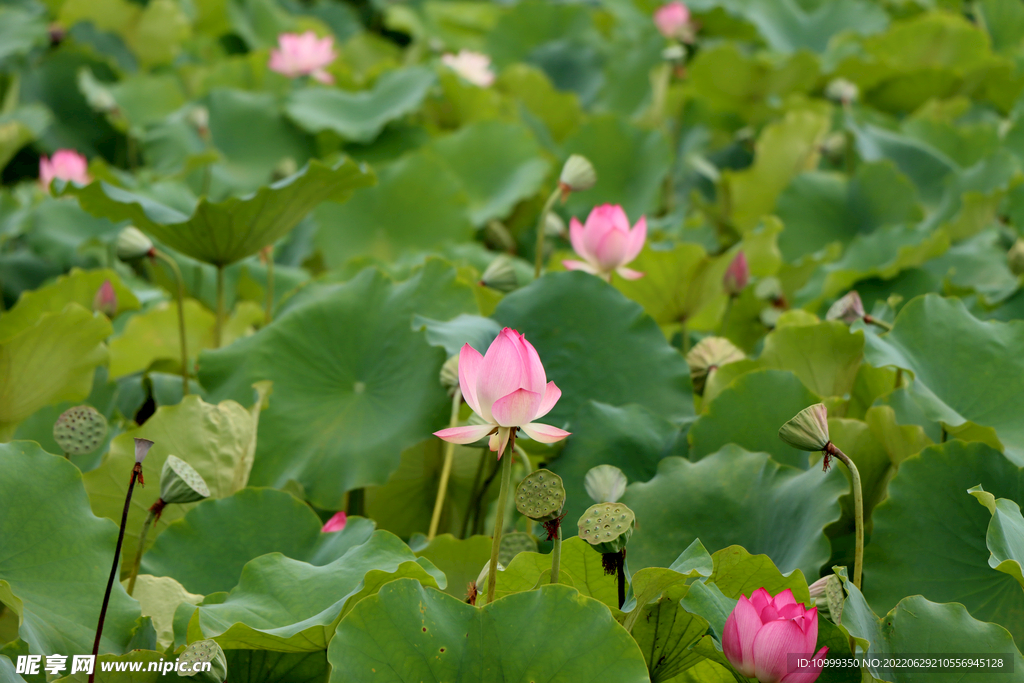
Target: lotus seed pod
[
  {"x": 769, "y": 289},
  {"x": 450, "y": 375},
  {"x": 500, "y": 275},
  {"x": 540, "y": 495},
  {"x": 709, "y": 354},
  {"x": 142, "y": 447},
  {"x": 554, "y": 226},
  {"x": 203, "y": 651},
  {"x": 842, "y": 91},
  {"x": 835, "y": 597},
  {"x": 808, "y": 431},
  {"x": 180, "y": 483},
  {"x": 607, "y": 526},
  {"x": 817, "y": 589},
  {"x": 605, "y": 483},
  {"x": 133, "y": 244},
  {"x": 578, "y": 174},
  {"x": 1015, "y": 258},
  {"x": 498, "y": 235},
  {"x": 80, "y": 430},
  {"x": 513, "y": 544},
  {"x": 848, "y": 308}
]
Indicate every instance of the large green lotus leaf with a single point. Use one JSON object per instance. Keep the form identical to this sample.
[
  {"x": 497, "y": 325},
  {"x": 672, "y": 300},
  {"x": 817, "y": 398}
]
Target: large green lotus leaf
[
  {"x": 821, "y": 208},
  {"x": 223, "y": 232},
  {"x": 559, "y": 111},
  {"x": 419, "y": 203},
  {"x": 597, "y": 345},
  {"x": 665, "y": 633},
  {"x": 734, "y": 497},
  {"x": 630, "y": 164},
  {"x": 361, "y": 116},
  {"x": 22, "y": 29},
  {"x": 206, "y": 550},
  {"x": 7, "y": 671},
  {"x": 749, "y": 413},
  {"x": 20, "y": 126},
  {"x": 159, "y": 597},
  {"x": 409, "y": 633},
  {"x": 461, "y": 560},
  {"x": 264, "y": 666},
  {"x": 512, "y": 169},
  {"x": 216, "y": 439},
  {"x": 629, "y": 437},
  {"x": 580, "y": 567},
  {"x": 1005, "y": 537},
  {"x": 929, "y": 534},
  {"x": 56, "y": 555},
  {"x": 1004, "y": 21},
  {"x": 737, "y": 572},
  {"x": 265, "y": 612},
  {"x": 789, "y": 26},
  {"x": 960, "y": 366},
  {"x": 825, "y": 356},
  {"x": 976, "y": 266},
  {"x": 973, "y": 200},
  {"x": 354, "y": 384},
  {"x": 52, "y": 360}
]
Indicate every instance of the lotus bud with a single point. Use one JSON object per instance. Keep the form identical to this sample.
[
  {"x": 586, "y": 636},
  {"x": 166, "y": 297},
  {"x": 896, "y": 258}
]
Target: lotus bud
[
  {"x": 817, "y": 589},
  {"x": 736, "y": 275},
  {"x": 1015, "y": 258},
  {"x": 203, "y": 651},
  {"x": 578, "y": 175},
  {"x": 500, "y": 275},
  {"x": 605, "y": 483},
  {"x": 200, "y": 118},
  {"x": 450, "y": 375},
  {"x": 133, "y": 244},
  {"x": 498, "y": 235},
  {"x": 848, "y": 308},
  {"x": 709, "y": 354},
  {"x": 790, "y": 628},
  {"x": 808, "y": 431},
  {"x": 554, "y": 226},
  {"x": 607, "y": 527},
  {"x": 180, "y": 483},
  {"x": 540, "y": 495},
  {"x": 105, "y": 300},
  {"x": 513, "y": 544},
  {"x": 335, "y": 523},
  {"x": 142, "y": 447},
  {"x": 80, "y": 430},
  {"x": 842, "y": 91}
]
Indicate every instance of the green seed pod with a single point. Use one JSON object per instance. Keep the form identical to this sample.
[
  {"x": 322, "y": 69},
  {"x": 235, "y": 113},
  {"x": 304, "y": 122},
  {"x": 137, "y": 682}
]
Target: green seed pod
[
  {"x": 540, "y": 496},
  {"x": 808, "y": 431},
  {"x": 578, "y": 174},
  {"x": 180, "y": 483},
  {"x": 205, "y": 651},
  {"x": 500, "y": 275},
  {"x": 80, "y": 430},
  {"x": 605, "y": 483},
  {"x": 607, "y": 526},
  {"x": 513, "y": 544},
  {"x": 133, "y": 244},
  {"x": 709, "y": 354},
  {"x": 835, "y": 597}
]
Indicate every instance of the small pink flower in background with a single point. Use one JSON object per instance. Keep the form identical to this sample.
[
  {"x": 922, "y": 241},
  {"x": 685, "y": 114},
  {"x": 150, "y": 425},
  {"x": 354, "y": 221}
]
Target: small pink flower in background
[
  {"x": 472, "y": 66},
  {"x": 66, "y": 164},
  {"x": 335, "y": 523},
  {"x": 105, "y": 300},
  {"x": 303, "y": 55},
  {"x": 508, "y": 389},
  {"x": 606, "y": 243},
  {"x": 673, "y": 20},
  {"x": 736, "y": 275},
  {"x": 763, "y": 631}
]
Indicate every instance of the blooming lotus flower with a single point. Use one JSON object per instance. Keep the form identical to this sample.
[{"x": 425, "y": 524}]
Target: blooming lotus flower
[
  {"x": 105, "y": 300},
  {"x": 335, "y": 523},
  {"x": 673, "y": 20},
  {"x": 507, "y": 389},
  {"x": 472, "y": 66},
  {"x": 66, "y": 164},
  {"x": 763, "y": 631},
  {"x": 606, "y": 242},
  {"x": 303, "y": 55},
  {"x": 736, "y": 275}
]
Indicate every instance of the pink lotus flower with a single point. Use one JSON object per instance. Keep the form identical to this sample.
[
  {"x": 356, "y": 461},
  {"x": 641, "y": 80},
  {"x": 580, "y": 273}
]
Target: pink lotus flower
[
  {"x": 763, "y": 631},
  {"x": 736, "y": 275},
  {"x": 508, "y": 389},
  {"x": 303, "y": 55},
  {"x": 673, "y": 20},
  {"x": 105, "y": 300},
  {"x": 606, "y": 242},
  {"x": 66, "y": 164},
  {"x": 472, "y": 66},
  {"x": 335, "y": 523}
]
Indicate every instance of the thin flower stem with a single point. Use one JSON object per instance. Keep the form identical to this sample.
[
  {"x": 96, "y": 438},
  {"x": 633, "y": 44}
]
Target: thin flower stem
[
  {"x": 182, "y": 339},
  {"x": 875, "y": 321},
  {"x": 542, "y": 225},
  {"x": 858, "y": 512},
  {"x": 556, "y": 555},
  {"x": 218, "y": 330},
  {"x": 499, "y": 521},
  {"x": 136, "y": 473},
  {"x": 621, "y": 573},
  {"x": 269, "y": 312},
  {"x": 527, "y": 469},
  {"x": 446, "y": 468},
  {"x": 138, "y": 553},
  {"x": 725, "y": 316}
]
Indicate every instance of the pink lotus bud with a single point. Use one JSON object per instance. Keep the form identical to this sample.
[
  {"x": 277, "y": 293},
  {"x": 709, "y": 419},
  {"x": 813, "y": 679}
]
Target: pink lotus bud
[
  {"x": 673, "y": 20},
  {"x": 763, "y": 631},
  {"x": 303, "y": 55},
  {"x": 335, "y": 523},
  {"x": 105, "y": 300},
  {"x": 66, "y": 164},
  {"x": 606, "y": 242},
  {"x": 736, "y": 275},
  {"x": 472, "y": 66},
  {"x": 507, "y": 389}
]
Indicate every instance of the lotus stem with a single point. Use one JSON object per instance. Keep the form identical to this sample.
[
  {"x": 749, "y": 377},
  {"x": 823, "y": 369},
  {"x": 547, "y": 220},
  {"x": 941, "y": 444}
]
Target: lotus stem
[
  {"x": 542, "y": 225},
  {"x": 527, "y": 469},
  {"x": 269, "y": 313},
  {"x": 446, "y": 468},
  {"x": 182, "y": 340},
  {"x": 138, "y": 553},
  {"x": 725, "y": 316},
  {"x": 875, "y": 321},
  {"x": 556, "y": 555},
  {"x": 218, "y": 329},
  {"x": 858, "y": 511},
  {"x": 136, "y": 475},
  {"x": 499, "y": 521},
  {"x": 621, "y": 575}
]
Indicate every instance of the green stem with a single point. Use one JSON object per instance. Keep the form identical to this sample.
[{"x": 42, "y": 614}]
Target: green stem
[
  {"x": 527, "y": 469},
  {"x": 181, "y": 317},
  {"x": 620, "y": 571},
  {"x": 858, "y": 512},
  {"x": 269, "y": 314},
  {"x": 499, "y": 521},
  {"x": 725, "y": 316},
  {"x": 556, "y": 555},
  {"x": 138, "y": 553},
  {"x": 875, "y": 321},
  {"x": 542, "y": 224},
  {"x": 446, "y": 468},
  {"x": 218, "y": 330}
]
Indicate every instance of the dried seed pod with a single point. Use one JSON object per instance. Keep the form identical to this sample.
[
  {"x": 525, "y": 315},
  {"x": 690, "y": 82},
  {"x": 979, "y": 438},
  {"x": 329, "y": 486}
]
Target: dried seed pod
[
  {"x": 707, "y": 355},
  {"x": 513, "y": 544},
  {"x": 180, "y": 483},
  {"x": 808, "y": 430},
  {"x": 607, "y": 526},
  {"x": 540, "y": 496},
  {"x": 578, "y": 174},
  {"x": 80, "y": 430}
]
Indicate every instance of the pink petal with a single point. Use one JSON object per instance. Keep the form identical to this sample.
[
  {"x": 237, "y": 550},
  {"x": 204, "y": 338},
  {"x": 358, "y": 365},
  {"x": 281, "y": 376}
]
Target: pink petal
[
  {"x": 784, "y": 598},
  {"x": 760, "y": 599},
  {"x": 576, "y": 238},
  {"x": 810, "y": 629},
  {"x": 517, "y": 408},
  {"x": 600, "y": 222},
  {"x": 464, "y": 435},
  {"x": 772, "y": 646},
  {"x": 551, "y": 396},
  {"x": 500, "y": 440},
  {"x": 637, "y": 237},
  {"x": 544, "y": 433},
  {"x": 533, "y": 378},
  {"x": 470, "y": 361},
  {"x": 323, "y": 77},
  {"x": 500, "y": 372},
  {"x": 628, "y": 273},
  {"x": 335, "y": 523},
  {"x": 738, "y": 639},
  {"x": 579, "y": 265},
  {"x": 793, "y": 611},
  {"x": 612, "y": 250},
  {"x": 812, "y": 672}
]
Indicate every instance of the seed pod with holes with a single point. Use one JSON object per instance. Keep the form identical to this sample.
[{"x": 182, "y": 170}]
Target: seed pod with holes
[
  {"x": 540, "y": 496},
  {"x": 180, "y": 483},
  {"x": 80, "y": 430},
  {"x": 513, "y": 544},
  {"x": 607, "y": 526},
  {"x": 200, "y": 652}
]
